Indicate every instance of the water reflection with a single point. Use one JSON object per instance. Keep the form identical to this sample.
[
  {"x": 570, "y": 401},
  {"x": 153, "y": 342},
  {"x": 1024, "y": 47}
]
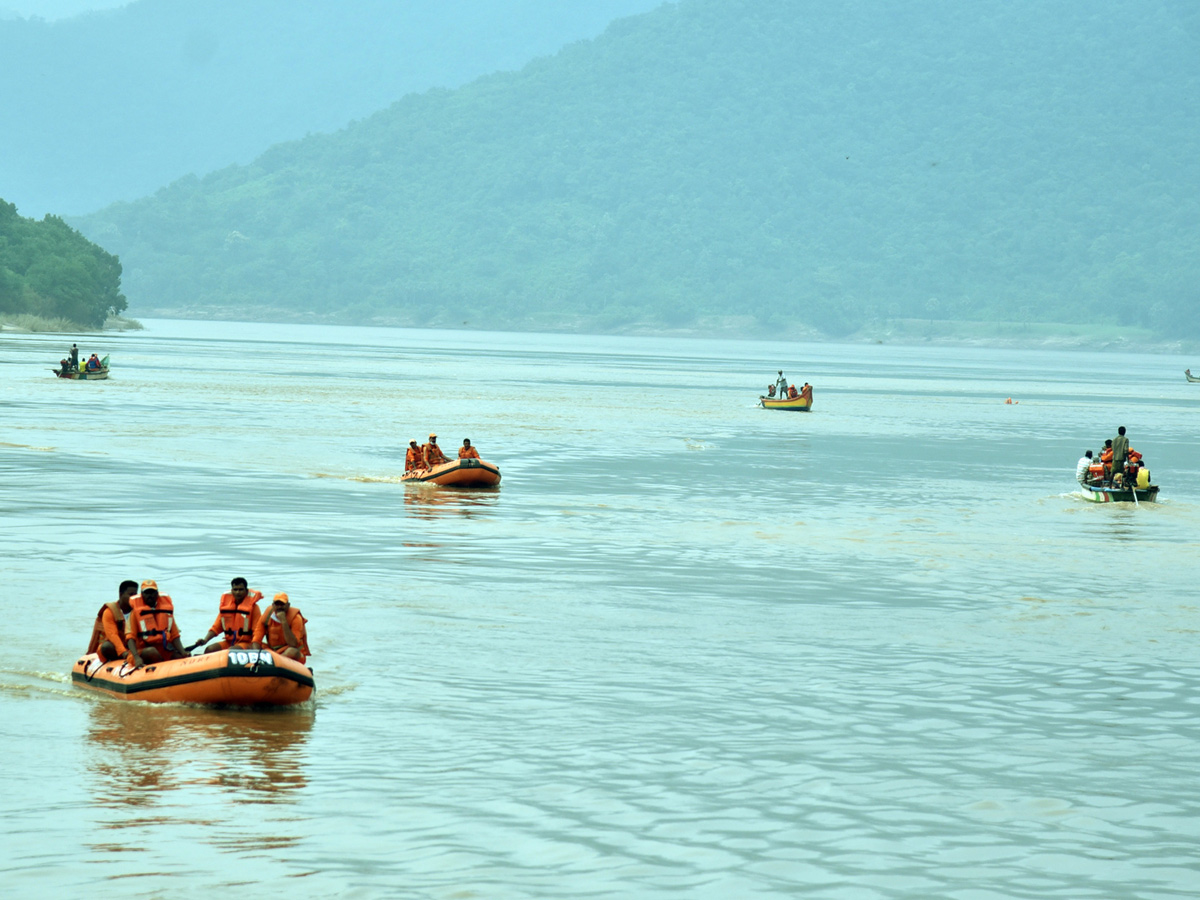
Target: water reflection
[
  {"x": 141, "y": 754},
  {"x": 432, "y": 503}
]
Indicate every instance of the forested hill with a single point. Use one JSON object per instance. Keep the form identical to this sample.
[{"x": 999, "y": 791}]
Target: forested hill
[
  {"x": 113, "y": 105},
  {"x": 50, "y": 270},
  {"x": 823, "y": 164}
]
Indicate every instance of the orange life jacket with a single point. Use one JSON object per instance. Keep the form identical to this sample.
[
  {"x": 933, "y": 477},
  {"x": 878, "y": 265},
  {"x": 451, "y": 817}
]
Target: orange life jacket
[
  {"x": 414, "y": 459},
  {"x": 151, "y": 626},
  {"x": 792, "y": 395},
  {"x": 98, "y": 635},
  {"x": 273, "y": 631},
  {"x": 1134, "y": 456},
  {"x": 235, "y": 618},
  {"x": 433, "y": 455},
  {"x": 468, "y": 453}
]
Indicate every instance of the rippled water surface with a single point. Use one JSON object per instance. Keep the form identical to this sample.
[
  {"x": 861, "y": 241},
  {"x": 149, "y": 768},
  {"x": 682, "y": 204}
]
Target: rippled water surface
[{"x": 688, "y": 648}]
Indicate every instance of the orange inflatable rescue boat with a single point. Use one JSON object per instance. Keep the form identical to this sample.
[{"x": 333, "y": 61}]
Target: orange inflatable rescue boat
[
  {"x": 457, "y": 473},
  {"x": 227, "y": 677}
]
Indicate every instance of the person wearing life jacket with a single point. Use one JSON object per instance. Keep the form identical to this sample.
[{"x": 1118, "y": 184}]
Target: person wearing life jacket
[
  {"x": 108, "y": 631},
  {"x": 792, "y": 392},
  {"x": 433, "y": 453},
  {"x": 236, "y": 617},
  {"x": 770, "y": 390},
  {"x": 1106, "y": 460},
  {"x": 151, "y": 634},
  {"x": 415, "y": 457},
  {"x": 281, "y": 629},
  {"x": 806, "y": 392},
  {"x": 93, "y": 363},
  {"x": 466, "y": 451}
]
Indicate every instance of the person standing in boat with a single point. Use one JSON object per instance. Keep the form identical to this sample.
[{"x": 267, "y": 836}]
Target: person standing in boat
[
  {"x": 781, "y": 386},
  {"x": 415, "y": 457},
  {"x": 1120, "y": 448},
  {"x": 466, "y": 451},
  {"x": 1083, "y": 467},
  {"x": 281, "y": 629},
  {"x": 433, "y": 453},
  {"x": 74, "y": 357},
  {"x": 108, "y": 631},
  {"x": 237, "y": 615}
]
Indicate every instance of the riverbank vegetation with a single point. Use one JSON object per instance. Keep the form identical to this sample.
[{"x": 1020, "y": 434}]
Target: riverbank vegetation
[
  {"x": 797, "y": 167},
  {"x": 51, "y": 275}
]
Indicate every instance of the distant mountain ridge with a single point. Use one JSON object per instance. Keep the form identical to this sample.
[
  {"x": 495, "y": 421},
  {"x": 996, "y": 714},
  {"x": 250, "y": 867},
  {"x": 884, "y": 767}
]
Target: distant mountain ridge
[
  {"x": 112, "y": 105},
  {"x": 802, "y": 165}
]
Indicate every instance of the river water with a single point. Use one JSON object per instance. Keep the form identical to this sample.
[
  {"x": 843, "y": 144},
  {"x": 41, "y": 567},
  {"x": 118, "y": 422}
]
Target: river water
[{"x": 689, "y": 647}]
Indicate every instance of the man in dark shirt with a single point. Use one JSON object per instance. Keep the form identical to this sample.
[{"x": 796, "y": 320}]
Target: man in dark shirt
[{"x": 1120, "y": 450}]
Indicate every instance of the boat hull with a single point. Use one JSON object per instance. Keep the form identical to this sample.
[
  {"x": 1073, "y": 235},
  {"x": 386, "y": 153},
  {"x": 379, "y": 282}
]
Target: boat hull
[
  {"x": 795, "y": 404},
  {"x": 1190, "y": 377},
  {"x": 85, "y": 375},
  {"x": 1098, "y": 494},
  {"x": 456, "y": 473},
  {"x": 224, "y": 678}
]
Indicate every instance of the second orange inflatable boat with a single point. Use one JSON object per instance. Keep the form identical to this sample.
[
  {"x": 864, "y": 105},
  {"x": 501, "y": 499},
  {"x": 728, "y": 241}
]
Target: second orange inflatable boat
[{"x": 227, "y": 677}]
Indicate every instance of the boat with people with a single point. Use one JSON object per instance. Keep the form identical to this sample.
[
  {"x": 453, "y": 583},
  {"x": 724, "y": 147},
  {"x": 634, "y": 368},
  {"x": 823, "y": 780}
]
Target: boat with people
[
  {"x": 781, "y": 395},
  {"x": 1187, "y": 373},
  {"x": 93, "y": 370},
  {"x": 1119, "y": 473},
  {"x": 234, "y": 677},
  {"x": 466, "y": 472}
]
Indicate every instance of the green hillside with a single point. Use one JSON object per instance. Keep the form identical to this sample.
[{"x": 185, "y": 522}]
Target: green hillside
[
  {"x": 49, "y": 270},
  {"x": 791, "y": 165},
  {"x": 113, "y": 105}
]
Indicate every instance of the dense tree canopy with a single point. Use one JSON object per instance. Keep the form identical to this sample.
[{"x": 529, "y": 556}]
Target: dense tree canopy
[
  {"x": 49, "y": 269},
  {"x": 828, "y": 164}
]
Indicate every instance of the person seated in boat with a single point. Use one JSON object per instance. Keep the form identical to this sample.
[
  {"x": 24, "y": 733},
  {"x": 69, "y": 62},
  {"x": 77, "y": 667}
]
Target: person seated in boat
[
  {"x": 281, "y": 629},
  {"x": 770, "y": 390},
  {"x": 792, "y": 392},
  {"x": 806, "y": 392},
  {"x": 414, "y": 458},
  {"x": 93, "y": 363},
  {"x": 237, "y": 615},
  {"x": 151, "y": 634},
  {"x": 64, "y": 367},
  {"x": 1083, "y": 468},
  {"x": 108, "y": 631},
  {"x": 433, "y": 453},
  {"x": 466, "y": 451}
]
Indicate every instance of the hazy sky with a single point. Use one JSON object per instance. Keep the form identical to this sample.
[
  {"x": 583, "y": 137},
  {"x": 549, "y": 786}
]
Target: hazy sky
[{"x": 55, "y": 9}]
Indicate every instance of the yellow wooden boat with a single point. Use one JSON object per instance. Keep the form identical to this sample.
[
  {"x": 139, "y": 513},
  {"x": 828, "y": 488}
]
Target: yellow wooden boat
[{"x": 797, "y": 404}]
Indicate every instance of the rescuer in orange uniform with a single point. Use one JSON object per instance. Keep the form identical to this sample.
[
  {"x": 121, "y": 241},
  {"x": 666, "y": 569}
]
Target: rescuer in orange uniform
[
  {"x": 415, "y": 457},
  {"x": 281, "y": 629},
  {"x": 466, "y": 451},
  {"x": 236, "y": 618},
  {"x": 108, "y": 632},
  {"x": 151, "y": 634},
  {"x": 433, "y": 453}
]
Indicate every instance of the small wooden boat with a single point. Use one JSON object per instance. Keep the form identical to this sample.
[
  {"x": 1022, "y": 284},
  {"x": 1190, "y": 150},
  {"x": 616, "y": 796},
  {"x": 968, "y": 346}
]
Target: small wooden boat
[
  {"x": 224, "y": 678},
  {"x": 85, "y": 374},
  {"x": 1099, "y": 493},
  {"x": 1187, "y": 373},
  {"x": 456, "y": 473},
  {"x": 799, "y": 404}
]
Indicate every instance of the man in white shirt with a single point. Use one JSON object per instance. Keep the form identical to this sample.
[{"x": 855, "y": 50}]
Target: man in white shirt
[{"x": 1081, "y": 467}]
